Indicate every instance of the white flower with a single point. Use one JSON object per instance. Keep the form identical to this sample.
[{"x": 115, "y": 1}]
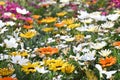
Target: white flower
[
  {"x": 3, "y": 30},
  {"x": 77, "y": 49},
  {"x": 19, "y": 60},
  {"x": 107, "y": 73},
  {"x": 97, "y": 16},
  {"x": 42, "y": 70},
  {"x": 2, "y": 24},
  {"x": 11, "y": 43},
  {"x": 85, "y": 50},
  {"x": 87, "y": 36},
  {"x": 69, "y": 39},
  {"x": 98, "y": 45},
  {"x": 57, "y": 35},
  {"x": 50, "y": 40},
  {"x": 59, "y": 77},
  {"x": 93, "y": 28},
  {"x": 90, "y": 28},
  {"x": 108, "y": 24},
  {"x": 11, "y": 23},
  {"x": 82, "y": 28},
  {"x": 22, "y": 11},
  {"x": 61, "y": 46},
  {"x": 83, "y": 14},
  {"x": 113, "y": 17},
  {"x": 64, "y": 37},
  {"x": 3, "y": 56},
  {"x": 47, "y": 2},
  {"x": 105, "y": 52},
  {"x": 88, "y": 56},
  {"x": 64, "y": 1},
  {"x": 87, "y": 20}
]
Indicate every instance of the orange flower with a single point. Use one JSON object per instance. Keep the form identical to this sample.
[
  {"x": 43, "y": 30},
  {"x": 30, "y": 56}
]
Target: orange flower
[
  {"x": 47, "y": 50},
  {"x": 35, "y": 16},
  {"x": 108, "y": 61},
  {"x": 8, "y": 78},
  {"x": 28, "y": 26},
  {"x": 59, "y": 25},
  {"x": 39, "y": 21},
  {"x": 116, "y": 43},
  {"x": 29, "y": 20},
  {"x": 45, "y": 5}
]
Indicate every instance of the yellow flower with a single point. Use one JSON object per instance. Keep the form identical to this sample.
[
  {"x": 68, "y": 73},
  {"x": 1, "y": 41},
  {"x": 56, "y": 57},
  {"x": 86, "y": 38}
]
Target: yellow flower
[
  {"x": 30, "y": 67},
  {"x": 2, "y": 3},
  {"x": 23, "y": 53},
  {"x": 67, "y": 68},
  {"x": 49, "y": 62},
  {"x": 79, "y": 37},
  {"x": 61, "y": 13},
  {"x": 57, "y": 65},
  {"x": 47, "y": 29},
  {"x": 72, "y": 26},
  {"x": 90, "y": 74},
  {"x": 6, "y": 71},
  {"x": 29, "y": 34},
  {"x": 68, "y": 21},
  {"x": 48, "y": 20}
]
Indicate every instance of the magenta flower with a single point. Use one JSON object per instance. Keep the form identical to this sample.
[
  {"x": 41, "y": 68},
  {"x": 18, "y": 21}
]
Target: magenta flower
[{"x": 115, "y": 3}]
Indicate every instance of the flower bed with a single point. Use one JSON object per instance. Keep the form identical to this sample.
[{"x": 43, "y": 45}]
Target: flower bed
[{"x": 59, "y": 40}]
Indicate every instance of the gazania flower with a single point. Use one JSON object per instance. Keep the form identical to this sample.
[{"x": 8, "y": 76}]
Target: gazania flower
[
  {"x": 117, "y": 43},
  {"x": 57, "y": 66},
  {"x": 28, "y": 26},
  {"x": 59, "y": 25},
  {"x": 105, "y": 52},
  {"x": 72, "y": 26},
  {"x": 47, "y": 51},
  {"x": 48, "y": 20},
  {"x": 39, "y": 21},
  {"x": 6, "y": 71},
  {"x": 91, "y": 2},
  {"x": 48, "y": 29},
  {"x": 68, "y": 21},
  {"x": 19, "y": 60},
  {"x": 8, "y": 78},
  {"x": 36, "y": 16},
  {"x": 49, "y": 62},
  {"x": 29, "y": 34},
  {"x": 67, "y": 68},
  {"x": 79, "y": 37},
  {"x": 108, "y": 61},
  {"x": 98, "y": 45},
  {"x": 29, "y": 20},
  {"x": 61, "y": 13},
  {"x": 30, "y": 67},
  {"x": 23, "y": 53}
]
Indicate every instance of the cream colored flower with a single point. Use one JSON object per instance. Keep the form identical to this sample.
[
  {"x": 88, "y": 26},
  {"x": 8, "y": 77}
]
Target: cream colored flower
[
  {"x": 98, "y": 45},
  {"x": 105, "y": 52}
]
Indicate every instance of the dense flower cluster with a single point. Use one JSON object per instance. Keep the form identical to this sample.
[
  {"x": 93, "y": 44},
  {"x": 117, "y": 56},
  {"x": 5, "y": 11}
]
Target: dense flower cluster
[{"x": 59, "y": 40}]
